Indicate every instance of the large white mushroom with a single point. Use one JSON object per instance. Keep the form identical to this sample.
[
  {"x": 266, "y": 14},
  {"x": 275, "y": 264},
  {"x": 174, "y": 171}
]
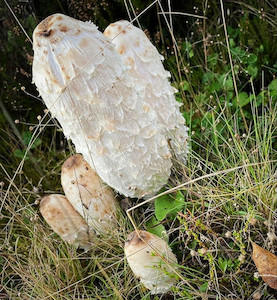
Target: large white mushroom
[
  {"x": 88, "y": 88},
  {"x": 65, "y": 220},
  {"x": 94, "y": 201},
  {"x": 151, "y": 260},
  {"x": 151, "y": 78}
]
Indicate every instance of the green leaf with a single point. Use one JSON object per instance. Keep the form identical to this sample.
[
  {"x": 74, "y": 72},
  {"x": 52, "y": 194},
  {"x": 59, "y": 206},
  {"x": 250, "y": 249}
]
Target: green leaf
[
  {"x": 261, "y": 97},
  {"x": 208, "y": 77},
  {"x": 229, "y": 84},
  {"x": 212, "y": 60},
  {"x": 232, "y": 43},
  {"x": 273, "y": 88},
  {"x": 223, "y": 264},
  {"x": 187, "y": 47},
  {"x": 155, "y": 227},
  {"x": 20, "y": 154},
  {"x": 232, "y": 32},
  {"x": 230, "y": 263},
  {"x": 243, "y": 99},
  {"x": 252, "y": 71},
  {"x": 204, "y": 287},
  {"x": 27, "y": 136},
  {"x": 36, "y": 143},
  {"x": 252, "y": 58},
  {"x": 184, "y": 85},
  {"x": 259, "y": 218},
  {"x": 241, "y": 213},
  {"x": 168, "y": 204},
  {"x": 179, "y": 99}
]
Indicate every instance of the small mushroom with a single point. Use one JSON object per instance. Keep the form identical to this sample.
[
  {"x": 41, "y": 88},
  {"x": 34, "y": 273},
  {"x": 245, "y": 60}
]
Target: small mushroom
[
  {"x": 65, "y": 220},
  {"x": 151, "y": 80},
  {"x": 93, "y": 200},
  {"x": 151, "y": 260}
]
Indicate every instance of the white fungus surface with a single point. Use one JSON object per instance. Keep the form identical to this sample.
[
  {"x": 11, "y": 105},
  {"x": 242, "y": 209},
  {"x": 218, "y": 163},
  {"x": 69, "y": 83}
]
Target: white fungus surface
[
  {"x": 144, "y": 252},
  {"x": 151, "y": 79},
  {"x": 86, "y": 85},
  {"x": 65, "y": 220},
  {"x": 94, "y": 201}
]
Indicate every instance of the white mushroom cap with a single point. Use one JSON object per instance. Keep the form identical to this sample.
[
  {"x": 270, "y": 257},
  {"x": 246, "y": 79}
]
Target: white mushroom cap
[
  {"x": 88, "y": 194},
  {"x": 65, "y": 220},
  {"x": 144, "y": 251},
  {"x": 147, "y": 69},
  {"x": 86, "y": 86}
]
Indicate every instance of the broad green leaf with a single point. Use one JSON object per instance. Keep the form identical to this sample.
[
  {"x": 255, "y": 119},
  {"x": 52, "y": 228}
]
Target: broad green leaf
[
  {"x": 208, "y": 77},
  {"x": 273, "y": 85},
  {"x": 252, "y": 71},
  {"x": 243, "y": 99},
  {"x": 229, "y": 84},
  {"x": 168, "y": 204},
  {"x": 154, "y": 226}
]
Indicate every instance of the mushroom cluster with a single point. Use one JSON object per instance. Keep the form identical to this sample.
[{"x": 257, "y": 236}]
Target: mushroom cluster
[
  {"x": 113, "y": 99},
  {"x": 87, "y": 209}
]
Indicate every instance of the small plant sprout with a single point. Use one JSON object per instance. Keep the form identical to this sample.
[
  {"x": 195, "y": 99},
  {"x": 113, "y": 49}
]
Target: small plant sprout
[
  {"x": 102, "y": 108},
  {"x": 93, "y": 200},
  {"x": 151, "y": 79},
  {"x": 65, "y": 220},
  {"x": 151, "y": 260}
]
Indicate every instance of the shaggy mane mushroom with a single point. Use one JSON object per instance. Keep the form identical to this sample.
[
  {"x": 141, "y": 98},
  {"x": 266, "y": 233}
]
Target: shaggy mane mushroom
[{"x": 86, "y": 85}]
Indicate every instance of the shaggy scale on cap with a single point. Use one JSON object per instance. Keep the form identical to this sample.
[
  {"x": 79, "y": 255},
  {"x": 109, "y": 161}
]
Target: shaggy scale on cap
[
  {"x": 151, "y": 79},
  {"x": 125, "y": 127}
]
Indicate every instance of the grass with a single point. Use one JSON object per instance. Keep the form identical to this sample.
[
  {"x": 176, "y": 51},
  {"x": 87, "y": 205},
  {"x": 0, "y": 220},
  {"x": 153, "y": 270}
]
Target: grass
[{"x": 229, "y": 195}]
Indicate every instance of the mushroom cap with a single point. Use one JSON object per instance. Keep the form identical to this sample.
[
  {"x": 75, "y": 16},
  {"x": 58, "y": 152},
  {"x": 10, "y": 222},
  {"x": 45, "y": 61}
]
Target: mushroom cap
[
  {"x": 85, "y": 85},
  {"x": 94, "y": 201},
  {"x": 147, "y": 69},
  {"x": 65, "y": 220},
  {"x": 144, "y": 251}
]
